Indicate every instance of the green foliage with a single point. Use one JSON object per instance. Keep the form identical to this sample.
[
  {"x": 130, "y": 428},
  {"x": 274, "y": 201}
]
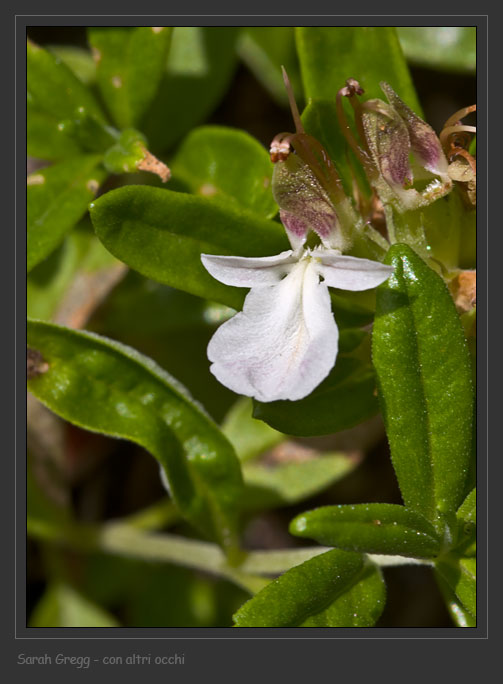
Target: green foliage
[
  {"x": 371, "y": 54},
  {"x": 228, "y": 165},
  {"x": 54, "y": 94},
  {"x": 450, "y": 48},
  {"x": 198, "y": 70},
  {"x": 130, "y": 65},
  {"x": 318, "y": 589},
  {"x": 425, "y": 386},
  {"x": 62, "y": 606},
  {"x": 106, "y": 387},
  {"x": 369, "y": 528},
  {"x": 57, "y": 198},
  {"x": 159, "y": 86},
  {"x": 162, "y": 234}
]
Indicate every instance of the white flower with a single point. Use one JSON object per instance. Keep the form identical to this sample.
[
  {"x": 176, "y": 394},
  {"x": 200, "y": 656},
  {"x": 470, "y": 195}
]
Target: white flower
[{"x": 284, "y": 342}]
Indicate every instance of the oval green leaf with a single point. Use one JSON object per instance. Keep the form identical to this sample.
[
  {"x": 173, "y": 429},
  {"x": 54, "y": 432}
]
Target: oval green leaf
[
  {"x": 303, "y": 591},
  {"x": 369, "y": 528},
  {"x": 57, "y": 197},
  {"x": 130, "y": 64},
  {"x": 425, "y": 387},
  {"x": 162, "y": 234},
  {"x": 228, "y": 165},
  {"x": 106, "y": 387},
  {"x": 344, "y": 399}
]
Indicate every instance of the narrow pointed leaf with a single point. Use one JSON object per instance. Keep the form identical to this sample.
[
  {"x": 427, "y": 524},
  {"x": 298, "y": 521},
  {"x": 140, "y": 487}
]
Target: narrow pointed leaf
[
  {"x": 344, "y": 399},
  {"x": 303, "y": 591},
  {"x": 162, "y": 234},
  {"x": 54, "y": 94},
  {"x": 130, "y": 63},
  {"x": 106, "y": 387},
  {"x": 369, "y": 528},
  {"x": 424, "y": 375},
  {"x": 57, "y": 198},
  {"x": 229, "y": 165}
]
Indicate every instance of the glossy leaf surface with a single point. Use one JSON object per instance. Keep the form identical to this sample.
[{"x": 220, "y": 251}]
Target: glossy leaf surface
[
  {"x": 130, "y": 64},
  {"x": 162, "y": 234},
  {"x": 344, "y": 399},
  {"x": 369, "y": 528},
  {"x": 57, "y": 198},
  {"x": 303, "y": 591},
  {"x": 424, "y": 375},
  {"x": 229, "y": 165},
  {"x": 107, "y": 387}
]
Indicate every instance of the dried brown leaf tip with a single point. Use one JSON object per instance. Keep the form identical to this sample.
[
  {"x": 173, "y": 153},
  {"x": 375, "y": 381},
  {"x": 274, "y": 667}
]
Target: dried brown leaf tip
[
  {"x": 153, "y": 165},
  {"x": 35, "y": 363}
]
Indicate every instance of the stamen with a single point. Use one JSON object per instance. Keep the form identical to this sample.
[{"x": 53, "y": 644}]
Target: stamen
[{"x": 293, "y": 105}]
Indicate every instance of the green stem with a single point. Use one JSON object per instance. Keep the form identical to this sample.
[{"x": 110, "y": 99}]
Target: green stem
[{"x": 123, "y": 540}]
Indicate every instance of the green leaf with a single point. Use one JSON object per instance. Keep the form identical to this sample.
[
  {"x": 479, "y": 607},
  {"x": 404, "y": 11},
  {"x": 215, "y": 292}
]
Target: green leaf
[
  {"x": 330, "y": 55},
  {"x": 130, "y": 64},
  {"x": 248, "y": 436},
  {"x": 106, "y": 387},
  {"x": 461, "y": 616},
  {"x": 292, "y": 473},
  {"x": 345, "y": 398},
  {"x": 265, "y": 49},
  {"x": 78, "y": 60},
  {"x": 199, "y": 68},
  {"x": 424, "y": 377},
  {"x": 369, "y": 528},
  {"x": 461, "y": 577},
  {"x": 80, "y": 265},
  {"x": 467, "y": 512},
  {"x": 162, "y": 234},
  {"x": 63, "y": 606},
  {"x": 128, "y": 151},
  {"x": 54, "y": 94},
  {"x": 303, "y": 591},
  {"x": 360, "y": 606},
  {"x": 449, "y": 48},
  {"x": 228, "y": 165},
  {"x": 57, "y": 198}
]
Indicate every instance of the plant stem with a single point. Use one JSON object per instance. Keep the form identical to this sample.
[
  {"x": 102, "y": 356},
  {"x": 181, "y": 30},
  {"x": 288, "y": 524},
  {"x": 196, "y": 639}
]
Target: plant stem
[{"x": 124, "y": 540}]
